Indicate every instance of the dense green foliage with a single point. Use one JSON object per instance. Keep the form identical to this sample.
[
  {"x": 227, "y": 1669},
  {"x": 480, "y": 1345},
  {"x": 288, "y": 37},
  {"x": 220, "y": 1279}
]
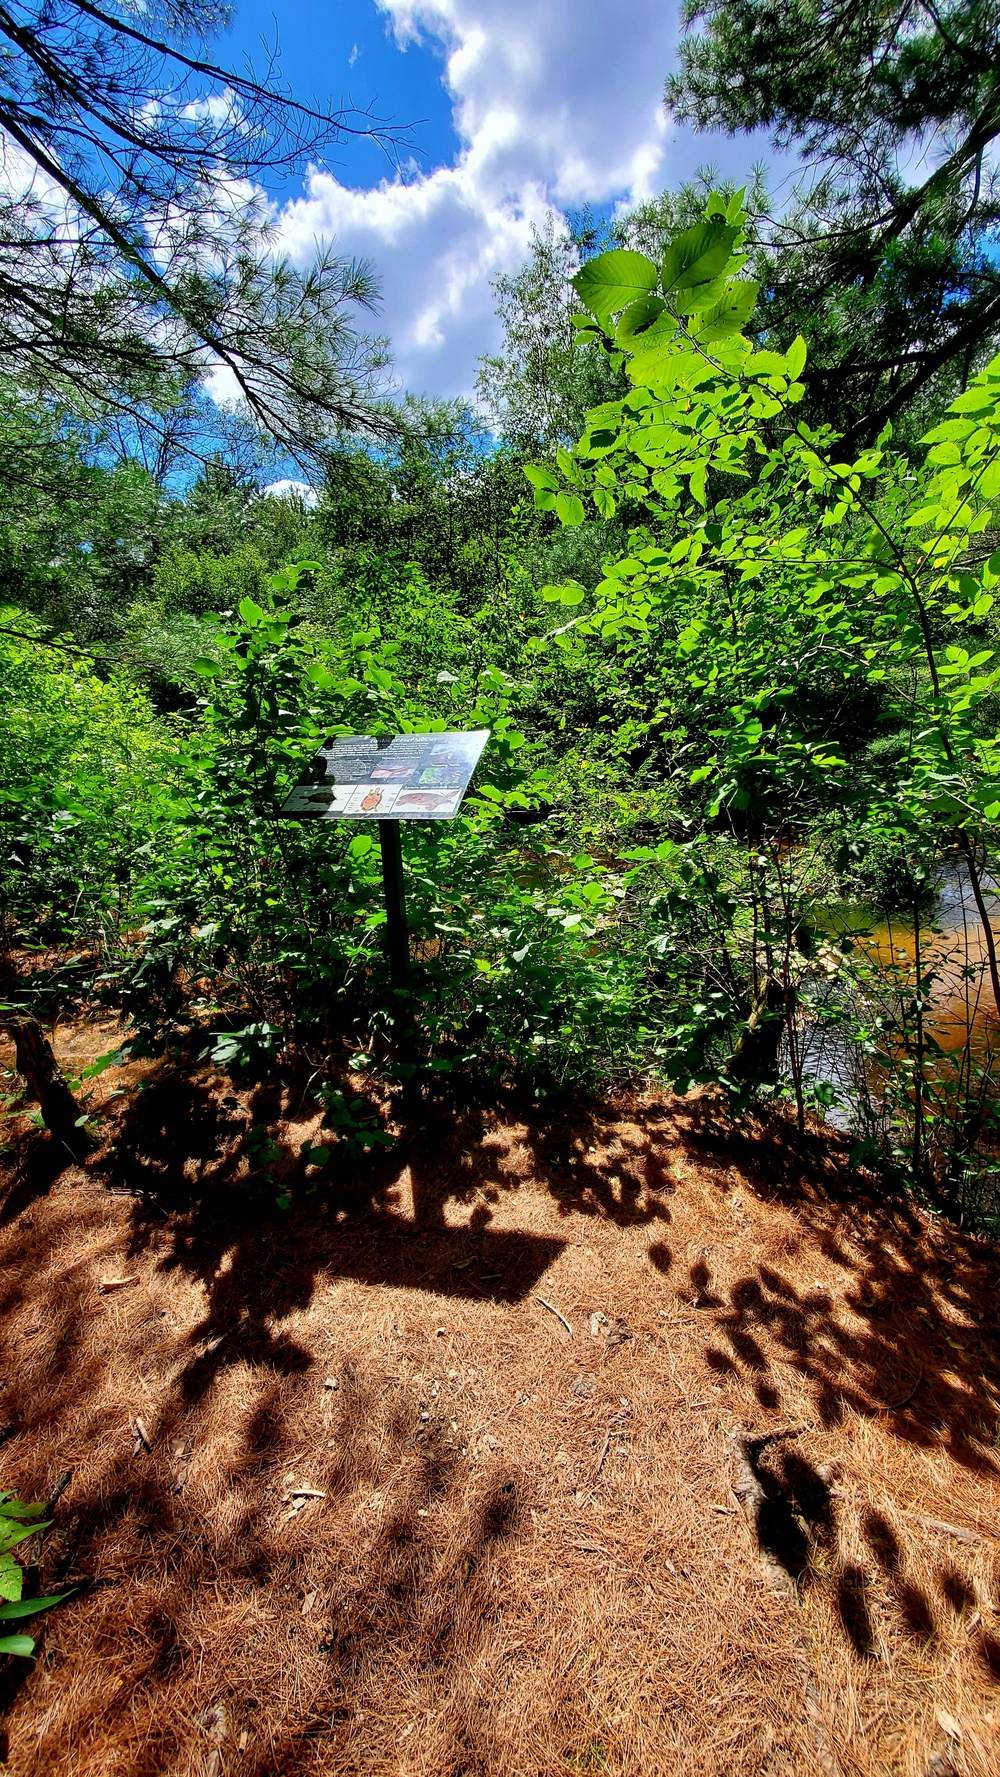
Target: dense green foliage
[{"x": 738, "y": 670}]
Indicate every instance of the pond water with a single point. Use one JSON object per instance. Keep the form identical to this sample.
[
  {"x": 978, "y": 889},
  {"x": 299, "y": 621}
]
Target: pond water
[
  {"x": 952, "y": 953},
  {"x": 959, "y": 1010}
]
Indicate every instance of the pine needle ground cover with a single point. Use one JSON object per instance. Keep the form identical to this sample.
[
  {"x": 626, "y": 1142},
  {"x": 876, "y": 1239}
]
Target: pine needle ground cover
[{"x": 620, "y": 1441}]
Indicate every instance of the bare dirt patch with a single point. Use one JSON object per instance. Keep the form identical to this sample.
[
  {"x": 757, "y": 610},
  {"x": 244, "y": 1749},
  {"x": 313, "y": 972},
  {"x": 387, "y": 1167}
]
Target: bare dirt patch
[{"x": 346, "y": 1496}]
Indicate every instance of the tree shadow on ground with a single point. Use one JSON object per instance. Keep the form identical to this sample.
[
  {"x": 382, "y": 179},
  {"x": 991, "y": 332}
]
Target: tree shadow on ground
[
  {"x": 182, "y": 1595},
  {"x": 921, "y": 1350},
  {"x": 180, "y": 1147}
]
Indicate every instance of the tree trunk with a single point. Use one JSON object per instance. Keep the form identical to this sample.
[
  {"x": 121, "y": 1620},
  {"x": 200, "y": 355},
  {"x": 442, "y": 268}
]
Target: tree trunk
[
  {"x": 755, "y": 1056},
  {"x": 41, "y": 1071}
]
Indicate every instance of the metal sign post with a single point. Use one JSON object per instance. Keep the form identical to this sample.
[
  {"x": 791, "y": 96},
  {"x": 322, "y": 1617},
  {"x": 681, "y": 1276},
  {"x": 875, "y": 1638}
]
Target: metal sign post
[{"x": 397, "y": 936}]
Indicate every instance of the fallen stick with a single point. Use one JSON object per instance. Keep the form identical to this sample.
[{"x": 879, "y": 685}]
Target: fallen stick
[
  {"x": 943, "y": 1527},
  {"x": 556, "y": 1312},
  {"x": 602, "y": 1459}
]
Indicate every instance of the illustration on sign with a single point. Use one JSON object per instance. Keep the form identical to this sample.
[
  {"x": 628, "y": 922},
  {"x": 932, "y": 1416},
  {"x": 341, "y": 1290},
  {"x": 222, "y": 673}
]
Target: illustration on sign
[{"x": 400, "y": 777}]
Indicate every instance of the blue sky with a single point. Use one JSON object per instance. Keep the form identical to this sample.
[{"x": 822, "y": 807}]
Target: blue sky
[
  {"x": 348, "y": 54},
  {"x": 520, "y": 110}
]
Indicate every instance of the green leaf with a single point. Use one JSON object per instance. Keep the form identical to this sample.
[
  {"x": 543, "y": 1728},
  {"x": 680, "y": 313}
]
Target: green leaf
[
  {"x": 11, "y": 1577},
  {"x": 604, "y": 500},
  {"x": 610, "y": 282},
  {"x": 209, "y": 669},
  {"x": 567, "y": 465},
  {"x": 113, "y": 1058},
  {"x": 570, "y": 594},
  {"x": 9, "y": 1538},
  {"x": 948, "y": 430},
  {"x": 730, "y": 315},
  {"x": 796, "y": 357},
  {"x": 639, "y": 318},
  {"x": 569, "y": 509},
  {"x": 250, "y": 613},
  {"x": 17, "y": 1644},
  {"x": 698, "y": 255},
  {"x": 540, "y": 476},
  {"x": 31, "y": 1607}
]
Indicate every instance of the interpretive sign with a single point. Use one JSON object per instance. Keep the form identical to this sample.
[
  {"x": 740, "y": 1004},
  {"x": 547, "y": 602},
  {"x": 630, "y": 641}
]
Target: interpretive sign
[
  {"x": 400, "y": 777},
  {"x": 388, "y": 779}
]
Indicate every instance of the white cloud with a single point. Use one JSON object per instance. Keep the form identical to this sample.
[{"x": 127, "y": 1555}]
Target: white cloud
[
  {"x": 293, "y": 490},
  {"x": 556, "y": 104}
]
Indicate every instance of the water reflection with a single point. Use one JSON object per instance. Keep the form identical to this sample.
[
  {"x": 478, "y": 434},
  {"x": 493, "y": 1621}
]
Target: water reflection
[
  {"x": 871, "y": 984},
  {"x": 958, "y": 1000}
]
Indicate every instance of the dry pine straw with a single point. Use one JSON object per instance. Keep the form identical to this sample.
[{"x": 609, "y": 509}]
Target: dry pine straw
[{"x": 514, "y": 1550}]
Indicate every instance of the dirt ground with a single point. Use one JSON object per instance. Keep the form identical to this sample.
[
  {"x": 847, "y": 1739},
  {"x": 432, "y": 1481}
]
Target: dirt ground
[{"x": 432, "y": 1476}]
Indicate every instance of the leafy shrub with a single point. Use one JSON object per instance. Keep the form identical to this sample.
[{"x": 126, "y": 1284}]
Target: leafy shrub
[{"x": 18, "y": 1522}]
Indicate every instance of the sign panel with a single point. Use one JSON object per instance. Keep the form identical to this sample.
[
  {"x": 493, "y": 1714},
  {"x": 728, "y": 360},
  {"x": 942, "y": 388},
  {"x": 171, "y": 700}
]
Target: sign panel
[{"x": 400, "y": 777}]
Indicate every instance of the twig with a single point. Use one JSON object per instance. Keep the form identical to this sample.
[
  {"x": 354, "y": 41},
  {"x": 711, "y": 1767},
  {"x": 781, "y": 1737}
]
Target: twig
[
  {"x": 956, "y": 1530},
  {"x": 50, "y": 1506},
  {"x": 556, "y": 1312},
  {"x": 57, "y": 1492},
  {"x": 602, "y": 1459}
]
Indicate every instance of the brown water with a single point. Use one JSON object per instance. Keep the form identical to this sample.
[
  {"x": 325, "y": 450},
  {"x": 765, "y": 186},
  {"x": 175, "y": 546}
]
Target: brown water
[{"x": 952, "y": 951}]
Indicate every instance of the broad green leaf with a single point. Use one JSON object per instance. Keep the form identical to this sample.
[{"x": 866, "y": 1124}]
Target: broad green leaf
[
  {"x": 569, "y": 509},
  {"x": 948, "y": 430},
  {"x": 604, "y": 500},
  {"x": 17, "y": 1644},
  {"x": 697, "y": 255},
  {"x": 638, "y": 321},
  {"x": 570, "y": 594},
  {"x": 250, "y": 612},
  {"x": 701, "y": 296},
  {"x": 9, "y": 1538},
  {"x": 209, "y": 669},
  {"x": 540, "y": 476},
  {"x": 610, "y": 282},
  {"x": 976, "y": 401},
  {"x": 795, "y": 357},
  {"x": 728, "y": 316},
  {"x": 567, "y": 466},
  {"x": 767, "y": 364}
]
